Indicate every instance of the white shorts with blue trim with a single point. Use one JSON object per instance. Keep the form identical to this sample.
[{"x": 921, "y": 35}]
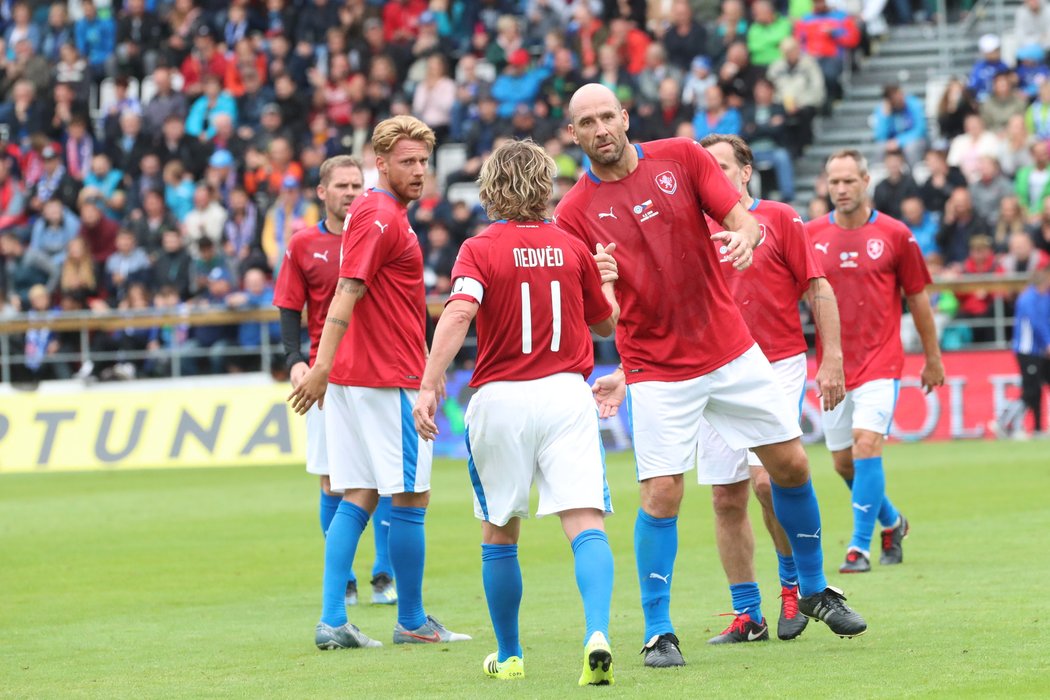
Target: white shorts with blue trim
[
  {"x": 316, "y": 447},
  {"x": 717, "y": 462},
  {"x": 742, "y": 400},
  {"x": 543, "y": 431},
  {"x": 372, "y": 440},
  {"x": 868, "y": 407}
]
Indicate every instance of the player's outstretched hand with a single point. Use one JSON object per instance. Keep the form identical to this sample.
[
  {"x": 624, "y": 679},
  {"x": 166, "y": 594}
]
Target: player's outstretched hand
[
  {"x": 606, "y": 262},
  {"x": 932, "y": 374},
  {"x": 609, "y": 392},
  {"x": 424, "y": 412},
  {"x": 299, "y": 370},
  {"x": 310, "y": 391},
  {"x": 831, "y": 384},
  {"x": 737, "y": 246}
]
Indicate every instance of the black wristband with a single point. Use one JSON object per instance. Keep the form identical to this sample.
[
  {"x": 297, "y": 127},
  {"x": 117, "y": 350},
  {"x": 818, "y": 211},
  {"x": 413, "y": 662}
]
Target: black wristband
[{"x": 291, "y": 331}]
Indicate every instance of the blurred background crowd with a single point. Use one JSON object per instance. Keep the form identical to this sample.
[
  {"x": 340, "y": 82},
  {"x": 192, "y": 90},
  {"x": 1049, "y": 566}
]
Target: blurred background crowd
[{"x": 159, "y": 154}]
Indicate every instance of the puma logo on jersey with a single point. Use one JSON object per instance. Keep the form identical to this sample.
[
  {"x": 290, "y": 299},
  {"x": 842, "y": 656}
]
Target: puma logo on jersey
[
  {"x": 382, "y": 227},
  {"x": 346, "y": 221},
  {"x": 822, "y": 247},
  {"x": 798, "y": 219},
  {"x": 607, "y": 215},
  {"x": 322, "y": 256}
]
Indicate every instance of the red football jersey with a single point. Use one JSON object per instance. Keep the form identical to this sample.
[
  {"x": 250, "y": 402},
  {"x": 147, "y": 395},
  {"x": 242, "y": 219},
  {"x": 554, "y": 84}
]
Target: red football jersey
[
  {"x": 539, "y": 290},
  {"x": 308, "y": 276},
  {"x": 768, "y": 291},
  {"x": 677, "y": 320},
  {"x": 868, "y": 267},
  {"x": 384, "y": 345}
]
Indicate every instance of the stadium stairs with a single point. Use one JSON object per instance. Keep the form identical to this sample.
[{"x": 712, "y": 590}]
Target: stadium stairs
[{"x": 909, "y": 56}]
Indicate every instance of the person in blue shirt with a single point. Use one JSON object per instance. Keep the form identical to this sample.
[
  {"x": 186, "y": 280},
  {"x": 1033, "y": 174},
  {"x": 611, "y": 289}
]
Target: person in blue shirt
[
  {"x": 518, "y": 84},
  {"x": 923, "y": 225},
  {"x": 257, "y": 294},
  {"x": 96, "y": 39},
  {"x": 987, "y": 67},
  {"x": 900, "y": 124},
  {"x": 718, "y": 118},
  {"x": 1032, "y": 343}
]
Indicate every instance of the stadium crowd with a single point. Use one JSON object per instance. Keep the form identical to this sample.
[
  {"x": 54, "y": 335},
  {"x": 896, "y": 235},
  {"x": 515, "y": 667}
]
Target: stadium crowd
[{"x": 161, "y": 154}]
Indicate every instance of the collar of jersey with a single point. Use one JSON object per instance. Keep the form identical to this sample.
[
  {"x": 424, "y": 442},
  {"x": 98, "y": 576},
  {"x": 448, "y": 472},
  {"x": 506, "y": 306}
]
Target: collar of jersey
[
  {"x": 388, "y": 194},
  {"x": 595, "y": 179},
  {"x": 754, "y": 204},
  {"x": 504, "y": 221},
  {"x": 323, "y": 229},
  {"x": 871, "y": 219}
]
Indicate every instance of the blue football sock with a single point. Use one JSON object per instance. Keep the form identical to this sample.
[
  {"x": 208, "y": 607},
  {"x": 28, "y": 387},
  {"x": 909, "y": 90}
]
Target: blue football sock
[
  {"x": 329, "y": 505},
  {"x": 339, "y": 548},
  {"x": 786, "y": 569},
  {"x": 747, "y": 599},
  {"x": 869, "y": 488},
  {"x": 594, "y": 578},
  {"x": 655, "y": 548},
  {"x": 381, "y": 523},
  {"x": 888, "y": 513},
  {"x": 501, "y": 576},
  {"x": 408, "y": 550},
  {"x": 797, "y": 510}
]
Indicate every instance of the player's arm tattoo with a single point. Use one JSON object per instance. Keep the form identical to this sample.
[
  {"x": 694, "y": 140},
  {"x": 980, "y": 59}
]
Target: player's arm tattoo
[
  {"x": 336, "y": 321},
  {"x": 350, "y": 285}
]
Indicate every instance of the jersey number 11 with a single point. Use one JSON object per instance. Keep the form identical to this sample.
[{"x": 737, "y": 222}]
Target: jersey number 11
[{"x": 526, "y": 317}]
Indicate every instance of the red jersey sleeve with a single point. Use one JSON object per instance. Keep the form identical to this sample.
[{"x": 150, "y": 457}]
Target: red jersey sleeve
[
  {"x": 798, "y": 251},
  {"x": 367, "y": 243},
  {"x": 711, "y": 186},
  {"x": 912, "y": 274},
  {"x": 468, "y": 267},
  {"x": 290, "y": 289},
  {"x": 596, "y": 308}
]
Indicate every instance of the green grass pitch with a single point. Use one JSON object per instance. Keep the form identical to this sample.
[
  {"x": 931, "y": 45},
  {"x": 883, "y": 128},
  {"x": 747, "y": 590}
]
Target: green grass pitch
[{"x": 206, "y": 583}]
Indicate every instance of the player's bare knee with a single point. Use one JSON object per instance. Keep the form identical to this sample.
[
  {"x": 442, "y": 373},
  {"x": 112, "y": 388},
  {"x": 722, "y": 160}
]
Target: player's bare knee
[
  {"x": 786, "y": 463},
  {"x": 843, "y": 463},
  {"x": 501, "y": 534},
  {"x": 760, "y": 485},
  {"x": 662, "y": 495},
  {"x": 866, "y": 443},
  {"x": 730, "y": 500},
  {"x": 366, "y": 499},
  {"x": 411, "y": 500},
  {"x": 577, "y": 520}
]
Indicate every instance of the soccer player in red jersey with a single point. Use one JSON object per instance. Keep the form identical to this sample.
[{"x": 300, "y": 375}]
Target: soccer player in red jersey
[
  {"x": 307, "y": 278},
  {"x": 686, "y": 351},
  {"x": 767, "y": 295},
  {"x": 869, "y": 258},
  {"x": 371, "y": 382},
  {"x": 535, "y": 290}
]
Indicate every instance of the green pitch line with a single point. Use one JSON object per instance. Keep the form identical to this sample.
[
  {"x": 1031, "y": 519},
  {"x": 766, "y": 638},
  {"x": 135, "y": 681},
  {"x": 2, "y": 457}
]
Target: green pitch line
[{"x": 191, "y": 583}]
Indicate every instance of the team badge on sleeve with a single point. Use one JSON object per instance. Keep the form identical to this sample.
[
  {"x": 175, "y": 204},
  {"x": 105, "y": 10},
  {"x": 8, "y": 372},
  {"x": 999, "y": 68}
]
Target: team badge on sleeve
[
  {"x": 875, "y": 248},
  {"x": 666, "y": 182}
]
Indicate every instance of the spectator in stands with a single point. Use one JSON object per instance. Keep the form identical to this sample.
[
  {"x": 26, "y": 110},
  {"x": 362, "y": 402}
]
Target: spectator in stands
[
  {"x": 1015, "y": 147},
  {"x": 57, "y": 32},
  {"x": 150, "y": 222},
  {"x": 700, "y": 77},
  {"x": 1032, "y": 183},
  {"x": 122, "y": 342},
  {"x": 956, "y": 103},
  {"x": 27, "y": 64},
  {"x": 1010, "y": 220},
  {"x": 72, "y": 69},
  {"x": 79, "y": 275},
  {"x": 21, "y": 28},
  {"x": 166, "y": 102},
  {"x": 105, "y": 182},
  {"x": 717, "y": 118},
  {"x": 977, "y": 305},
  {"x": 968, "y": 147},
  {"x": 166, "y": 342},
  {"x": 896, "y": 186},
  {"x": 139, "y": 37},
  {"x": 434, "y": 96},
  {"x": 922, "y": 224},
  {"x": 1032, "y": 345},
  {"x": 53, "y": 231},
  {"x": 173, "y": 265},
  {"x": 216, "y": 340},
  {"x": 517, "y": 84},
  {"x": 1040, "y": 230},
  {"x": 1032, "y": 24},
  {"x": 1022, "y": 257},
  {"x": 630, "y": 42},
  {"x": 729, "y": 27},
  {"x": 1037, "y": 117},
  {"x": 738, "y": 76},
  {"x": 200, "y": 122},
  {"x": 1002, "y": 103},
  {"x": 766, "y": 33},
  {"x": 440, "y": 257},
  {"x": 278, "y": 165},
  {"x": 288, "y": 214},
  {"x": 257, "y": 294},
  {"x": 561, "y": 84},
  {"x": 206, "y": 219},
  {"x": 683, "y": 37},
  {"x": 174, "y": 144},
  {"x": 1031, "y": 70},
  {"x": 586, "y": 33},
  {"x": 64, "y": 105},
  {"x": 24, "y": 268},
  {"x": 78, "y": 147},
  {"x": 959, "y": 224},
  {"x": 13, "y": 213},
  {"x": 208, "y": 257},
  {"x": 828, "y": 35},
  {"x": 127, "y": 265},
  {"x": 763, "y": 128},
  {"x": 21, "y": 112},
  {"x": 205, "y": 59},
  {"x": 664, "y": 117},
  {"x": 988, "y": 66},
  {"x": 989, "y": 189},
  {"x": 900, "y": 123},
  {"x": 95, "y": 39},
  {"x": 655, "y": 71},
  {"x": 240, "y": 232},
  {"x": 129, "y": 146},
  {"x": 97, "y": 229},
  {"x": 42, "y": 345},
  {"x": 54, "y": 182},
  {"x": 800, "y": 88}
]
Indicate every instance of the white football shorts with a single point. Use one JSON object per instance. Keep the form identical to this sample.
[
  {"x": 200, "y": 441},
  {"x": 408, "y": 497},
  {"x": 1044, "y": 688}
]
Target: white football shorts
[
  {"x": 716, "y": 462},
  {"x": 742, "y": 400},
  {"x": 372, "y": 440},
  {"x": 868, "y": 407},
  {"x": 316, "y": 450},
  {"x": 542, "y": 431}
]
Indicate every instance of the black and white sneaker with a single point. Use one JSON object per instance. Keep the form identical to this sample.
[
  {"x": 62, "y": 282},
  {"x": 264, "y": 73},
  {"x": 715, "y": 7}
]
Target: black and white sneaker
[
  {"x": 892, "y": 551},
  {"x": 742, "y": 629},
  {"x": 829, "y": 606},
  {"x": 662, "y": 651}
]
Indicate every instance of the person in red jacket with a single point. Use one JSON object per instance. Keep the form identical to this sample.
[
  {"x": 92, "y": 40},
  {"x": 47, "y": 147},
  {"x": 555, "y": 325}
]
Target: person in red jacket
[{"x": 827, "y": 35}]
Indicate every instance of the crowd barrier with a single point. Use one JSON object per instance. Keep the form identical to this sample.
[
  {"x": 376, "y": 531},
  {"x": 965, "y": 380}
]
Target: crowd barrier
[{"x": 244, "y": 420}]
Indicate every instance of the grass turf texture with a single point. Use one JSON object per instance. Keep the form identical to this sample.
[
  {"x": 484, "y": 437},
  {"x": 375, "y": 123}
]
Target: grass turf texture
[{"x": 206, "y": 583}]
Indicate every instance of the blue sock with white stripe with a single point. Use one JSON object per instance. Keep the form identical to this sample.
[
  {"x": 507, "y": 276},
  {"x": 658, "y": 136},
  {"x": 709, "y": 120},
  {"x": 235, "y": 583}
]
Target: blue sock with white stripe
[
  {"x": 501, "y": 576},
  {"x": 594, "y": 578},
  {"x": 381, "y": 523},
  {"x": 655, "y": 549},
  {"x": 408, "y": 550},
  {"x": 869, "y": 489},
  {"x": 329, "y": 505},
  {"x": 888, "y": 513},
  {"x": 797, "y": 510},
  {"x": 340, "y": 547},
  {"x": 747, "y": 599},
  {"x": 786, "y": 569}
]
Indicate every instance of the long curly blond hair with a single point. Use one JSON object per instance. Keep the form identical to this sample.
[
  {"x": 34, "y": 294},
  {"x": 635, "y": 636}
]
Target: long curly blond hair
[{"x": 517, "y": 181}]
